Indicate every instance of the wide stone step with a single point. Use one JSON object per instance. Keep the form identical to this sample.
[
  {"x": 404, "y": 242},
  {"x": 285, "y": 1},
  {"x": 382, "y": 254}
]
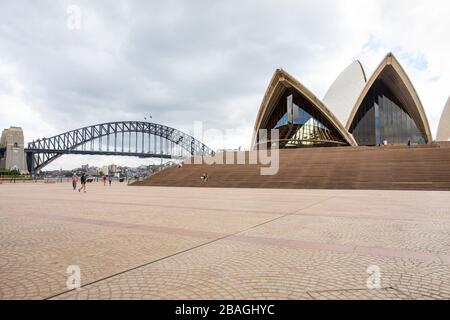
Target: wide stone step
[{"x": 392, "y": 168}]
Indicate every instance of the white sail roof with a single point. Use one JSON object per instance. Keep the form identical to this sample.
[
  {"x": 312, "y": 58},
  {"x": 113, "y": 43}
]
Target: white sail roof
[
  {"x": 443, "y": 133},
  {"x": 345, "y": 90}
]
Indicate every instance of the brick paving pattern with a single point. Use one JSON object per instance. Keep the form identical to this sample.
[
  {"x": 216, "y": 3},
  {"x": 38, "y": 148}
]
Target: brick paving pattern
[{"x": 200, "y": 243}]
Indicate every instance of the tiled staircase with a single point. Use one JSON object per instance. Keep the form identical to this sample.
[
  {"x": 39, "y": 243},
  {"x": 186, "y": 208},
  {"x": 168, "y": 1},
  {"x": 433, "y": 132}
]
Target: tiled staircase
[{"x": 425, "y": 167}]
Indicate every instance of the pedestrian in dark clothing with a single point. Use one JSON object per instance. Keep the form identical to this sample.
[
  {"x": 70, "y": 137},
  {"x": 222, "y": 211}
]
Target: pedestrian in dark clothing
[{"x": 83, "y": 183}]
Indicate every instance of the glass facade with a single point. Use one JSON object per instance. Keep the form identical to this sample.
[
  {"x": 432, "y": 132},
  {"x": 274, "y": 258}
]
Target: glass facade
[
  {"x": 300, "y": 124},
  {"x": 382, "y": 117}
]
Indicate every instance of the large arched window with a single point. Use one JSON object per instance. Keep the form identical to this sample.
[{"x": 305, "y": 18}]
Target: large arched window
[
  {"x": 382, "y": 117},
  {"x": 300, "y": 124},
  {"x": 301, "y": 118},
  {"x": 389, "y": 109}
]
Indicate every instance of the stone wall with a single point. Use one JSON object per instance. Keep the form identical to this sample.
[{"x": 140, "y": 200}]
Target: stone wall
[{"x": 12, "y": 140}]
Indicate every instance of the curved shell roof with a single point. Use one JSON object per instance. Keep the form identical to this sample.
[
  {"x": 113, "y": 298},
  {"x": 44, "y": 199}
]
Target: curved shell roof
[
  {"x": 393, "y": 75},
  {"x": 343, "y": 93},
  {"x": 443, "y": 133},
  {"x": 282, "y": 80}
]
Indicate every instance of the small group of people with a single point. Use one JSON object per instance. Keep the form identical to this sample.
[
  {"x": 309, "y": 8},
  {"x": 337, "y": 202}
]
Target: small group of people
[
  {"x": 385, "y": 143},
  {"x": 83, "y": 179},
  {"x": 109, "y": 180}
]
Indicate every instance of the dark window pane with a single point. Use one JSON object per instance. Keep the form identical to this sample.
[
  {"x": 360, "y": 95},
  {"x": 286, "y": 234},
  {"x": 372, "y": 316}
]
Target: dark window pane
[
  {"x": 300, "y": 124},
  {"x": 382, "y": 117}
]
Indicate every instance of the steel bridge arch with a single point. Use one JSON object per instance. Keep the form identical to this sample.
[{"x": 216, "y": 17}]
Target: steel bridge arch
[{"x": 43, "y": 151}]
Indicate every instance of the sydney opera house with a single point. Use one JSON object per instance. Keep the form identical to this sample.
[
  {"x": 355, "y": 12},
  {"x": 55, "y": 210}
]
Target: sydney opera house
[
  {"x": 330, "y": 143},
  {"x": 356, "y": 110}
]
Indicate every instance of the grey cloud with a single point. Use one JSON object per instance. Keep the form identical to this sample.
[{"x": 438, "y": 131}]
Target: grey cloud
[
  {"x": 178, "y": 60},
  {"x": 167, "y": 58}
]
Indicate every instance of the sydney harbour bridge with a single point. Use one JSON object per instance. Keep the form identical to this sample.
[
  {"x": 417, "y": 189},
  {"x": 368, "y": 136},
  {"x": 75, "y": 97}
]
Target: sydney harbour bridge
[{"x": 123, "y": 138}]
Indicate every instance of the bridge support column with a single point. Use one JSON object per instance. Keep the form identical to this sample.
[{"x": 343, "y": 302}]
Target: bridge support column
[
  {"x": 12, "y": 143},
  {"x": 30, "y": 162}
]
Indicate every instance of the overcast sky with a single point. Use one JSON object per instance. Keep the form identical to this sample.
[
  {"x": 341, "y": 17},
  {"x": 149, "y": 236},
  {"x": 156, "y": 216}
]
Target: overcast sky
[{"x": 210, "y": 61}]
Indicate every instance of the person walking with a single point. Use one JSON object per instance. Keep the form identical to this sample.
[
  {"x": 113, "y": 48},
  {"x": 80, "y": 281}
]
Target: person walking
[
  {"x": 104, "y": 181},
  {"x": 110, "y": 180},
  {"x": 74, "y": 181},
  {"x": 14, "y": 173},
  {"x": 83, "y": 183},
  {"x": 204, "y": 177}
]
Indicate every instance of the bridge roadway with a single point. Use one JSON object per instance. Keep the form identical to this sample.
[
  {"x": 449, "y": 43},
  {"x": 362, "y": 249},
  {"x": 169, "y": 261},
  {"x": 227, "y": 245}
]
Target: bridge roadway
[{"x": 105, "y": 153}]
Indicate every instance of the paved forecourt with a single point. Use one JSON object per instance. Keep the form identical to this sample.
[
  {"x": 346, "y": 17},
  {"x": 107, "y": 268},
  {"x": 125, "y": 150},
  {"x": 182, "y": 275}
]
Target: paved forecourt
[{"x": 196, "y": 243}]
